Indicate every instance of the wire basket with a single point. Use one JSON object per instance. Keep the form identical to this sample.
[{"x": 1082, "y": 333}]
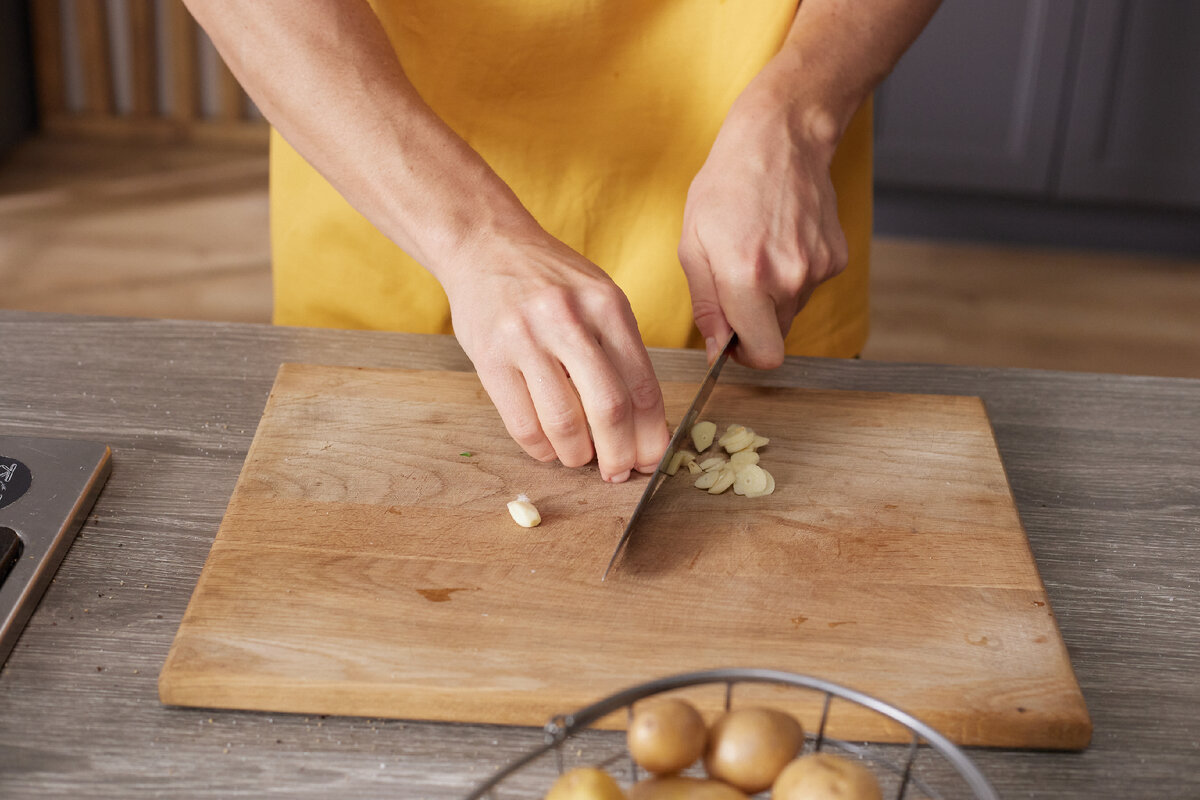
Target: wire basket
[{"x": 906, "y": 769}]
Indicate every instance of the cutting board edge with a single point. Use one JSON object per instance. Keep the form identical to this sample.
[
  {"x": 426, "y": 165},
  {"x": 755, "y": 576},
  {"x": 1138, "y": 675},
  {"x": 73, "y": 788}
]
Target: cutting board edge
[
  {"x": 992, "y": 730},
  {"x": 1085, "y": 732}
]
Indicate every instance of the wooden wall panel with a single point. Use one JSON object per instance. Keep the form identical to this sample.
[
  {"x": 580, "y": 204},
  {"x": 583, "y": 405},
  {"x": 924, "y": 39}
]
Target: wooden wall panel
[
  {"x": 162, "y": 53},
  {"x": 143, "y": 57},
  {"x": 48, "y": 56}
]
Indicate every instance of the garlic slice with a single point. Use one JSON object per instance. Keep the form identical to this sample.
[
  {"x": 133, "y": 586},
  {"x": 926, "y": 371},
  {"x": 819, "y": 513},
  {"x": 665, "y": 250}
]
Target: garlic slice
[
  {"x": 725, "y": 478},
  {"x": 744, "y": 458},
  {"x": 751, "y": 480},
  {"x": 702, "y": 435}
]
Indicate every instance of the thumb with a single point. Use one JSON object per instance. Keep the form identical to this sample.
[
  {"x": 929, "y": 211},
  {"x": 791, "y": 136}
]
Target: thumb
[{"x": 706, "y": 306}]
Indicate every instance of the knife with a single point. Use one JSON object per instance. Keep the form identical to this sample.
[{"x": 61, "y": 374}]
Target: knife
[{"x": 681, "y": 433}]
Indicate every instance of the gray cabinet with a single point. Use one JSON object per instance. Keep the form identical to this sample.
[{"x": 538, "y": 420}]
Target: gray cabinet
[
  {"x": 1059, "y": 100},
  {"x": 974, "y": 103},
  {"x": 1133, "y": 132}
]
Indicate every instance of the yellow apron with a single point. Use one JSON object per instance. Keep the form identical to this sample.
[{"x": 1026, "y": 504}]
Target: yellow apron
[{"x": 598, "y": 115}]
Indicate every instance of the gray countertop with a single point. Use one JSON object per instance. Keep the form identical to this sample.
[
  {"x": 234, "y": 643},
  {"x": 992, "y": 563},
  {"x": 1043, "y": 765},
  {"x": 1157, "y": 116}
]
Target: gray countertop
[{"x": 1105, "y": 470}]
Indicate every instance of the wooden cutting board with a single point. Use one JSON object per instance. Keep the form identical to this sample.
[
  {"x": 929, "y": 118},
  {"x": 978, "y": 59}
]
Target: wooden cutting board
[{"x": 367, "y": 565}]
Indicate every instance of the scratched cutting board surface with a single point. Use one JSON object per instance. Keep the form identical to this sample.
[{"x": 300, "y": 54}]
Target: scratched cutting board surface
[{"x": 367, "y": 565}]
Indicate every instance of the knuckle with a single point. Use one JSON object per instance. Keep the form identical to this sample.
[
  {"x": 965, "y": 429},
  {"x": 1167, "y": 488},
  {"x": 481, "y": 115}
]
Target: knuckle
[
  {"x": 575, "y": 456},
  {"x": 645, "y": 394},
  {"x": 611, "y": 409},
  {"x": 510, "y": 330},
  {"x": 840, "y": 255},
  {"x": 705, "y": 306},
  {"x": 794, "y": 282},
  {"x": 552, "y": 302},
  {"x": 615, "y": 464},
  {"x": 527, "y": 433},
  {"x": 610, "y": 302},
  {"x": 563, "y": 424}
]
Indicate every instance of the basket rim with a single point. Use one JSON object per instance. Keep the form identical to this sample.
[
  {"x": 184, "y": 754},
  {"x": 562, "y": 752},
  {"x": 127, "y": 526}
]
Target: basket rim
[{"x": 561, "y": 727}]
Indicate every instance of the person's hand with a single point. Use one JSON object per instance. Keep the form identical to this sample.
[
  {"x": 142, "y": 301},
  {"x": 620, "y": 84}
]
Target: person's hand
[
  {"x": 760, "y": 229},
  {"x": 556, "y": 346}
]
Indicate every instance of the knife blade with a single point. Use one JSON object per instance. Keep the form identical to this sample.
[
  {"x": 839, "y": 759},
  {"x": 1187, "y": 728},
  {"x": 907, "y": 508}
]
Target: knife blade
[{"x": 677, "y": 439}]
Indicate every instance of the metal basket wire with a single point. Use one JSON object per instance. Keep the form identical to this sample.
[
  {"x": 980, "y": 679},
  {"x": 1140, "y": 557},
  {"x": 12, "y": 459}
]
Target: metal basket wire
[{"x": 903, "y": 769}]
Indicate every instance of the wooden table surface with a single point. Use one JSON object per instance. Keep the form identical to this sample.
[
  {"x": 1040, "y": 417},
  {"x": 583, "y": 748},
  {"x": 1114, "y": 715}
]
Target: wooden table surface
[{"x": 1105, "y": 470}]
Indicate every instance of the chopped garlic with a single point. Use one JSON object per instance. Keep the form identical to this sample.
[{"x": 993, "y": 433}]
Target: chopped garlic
[
  {"x": 743, "y": 457},
  {"x": 751, "y": 480},
  {"x": 770, "y": 487},
  {"x": 702, "y": 435},
  {"x": 725, "y": 478},
  {"x": 741, "y": 471},
  {"x": 678, "y": 459}
]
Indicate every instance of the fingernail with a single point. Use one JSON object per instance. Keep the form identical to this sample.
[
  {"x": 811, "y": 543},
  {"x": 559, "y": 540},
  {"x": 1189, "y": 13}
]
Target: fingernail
[
  {"x": 621, "y": 478},
  {"x": 711, "y": 347}
]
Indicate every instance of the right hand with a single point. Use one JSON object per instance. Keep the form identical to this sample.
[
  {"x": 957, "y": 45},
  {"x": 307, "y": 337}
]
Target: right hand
[{"x": 557, "y": 348}]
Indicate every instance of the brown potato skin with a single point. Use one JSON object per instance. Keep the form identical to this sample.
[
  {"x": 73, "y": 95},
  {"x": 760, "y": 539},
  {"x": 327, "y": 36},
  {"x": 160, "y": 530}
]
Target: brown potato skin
[
  {"x": 825, "y": 776},
  {"x": 666, "y": 736},
  {"x": 674, "y": 787},
  {"x": 749, "y": 747},
  {"x": 585, "y": 783}
]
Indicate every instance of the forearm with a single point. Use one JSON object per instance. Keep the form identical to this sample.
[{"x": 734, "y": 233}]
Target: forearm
[
  {"x": 325, "y": 75},
  {"x": 835, "y": 53}
]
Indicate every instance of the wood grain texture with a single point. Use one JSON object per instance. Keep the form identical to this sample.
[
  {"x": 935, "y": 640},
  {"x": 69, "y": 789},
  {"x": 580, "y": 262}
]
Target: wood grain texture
[
  {"x": 366, "y": 567},
  {"x": 1103, "y": 469}
]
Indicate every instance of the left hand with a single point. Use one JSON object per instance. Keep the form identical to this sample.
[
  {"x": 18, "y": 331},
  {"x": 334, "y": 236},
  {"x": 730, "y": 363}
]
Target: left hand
[{"x": 760, "y": 228}]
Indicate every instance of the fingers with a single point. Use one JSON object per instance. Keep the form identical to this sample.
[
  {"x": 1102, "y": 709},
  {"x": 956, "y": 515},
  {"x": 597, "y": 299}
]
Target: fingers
[
  {"x": 559, "y": 412},
  {"x": 618, "y": 391},
  {"x": 586, "y": 395},
  {"x": 626, "y": 352},
  {"x": 511, "y": 397},
  {"x": 753, "y": 313},
  {"x": 706, "y": 303}
]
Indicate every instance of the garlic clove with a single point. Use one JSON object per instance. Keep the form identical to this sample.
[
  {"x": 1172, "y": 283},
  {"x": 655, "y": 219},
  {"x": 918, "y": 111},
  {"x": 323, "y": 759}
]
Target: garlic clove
[{"x": 524, "y": 513}]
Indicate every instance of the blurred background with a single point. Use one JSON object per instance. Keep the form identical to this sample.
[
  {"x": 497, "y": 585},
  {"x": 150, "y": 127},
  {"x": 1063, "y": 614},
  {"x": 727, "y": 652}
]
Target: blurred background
[{"x": 1037, "y": 180}]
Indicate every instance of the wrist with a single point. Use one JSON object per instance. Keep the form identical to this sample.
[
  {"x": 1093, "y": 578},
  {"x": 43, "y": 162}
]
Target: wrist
[
  {"x": 483, "y": 239},
  {"x": 817, "y": 109},
  {"x": 459, "y": 227}
]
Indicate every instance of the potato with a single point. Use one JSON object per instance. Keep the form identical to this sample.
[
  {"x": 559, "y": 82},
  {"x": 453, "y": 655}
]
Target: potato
[
  {"x": 666, "y": 736},
  {"x": 749, "y": 747},
  {"x": 677, "y": 788},
  {"x": 824, "y": 776},
  {"x": 585, "y": 783}
]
